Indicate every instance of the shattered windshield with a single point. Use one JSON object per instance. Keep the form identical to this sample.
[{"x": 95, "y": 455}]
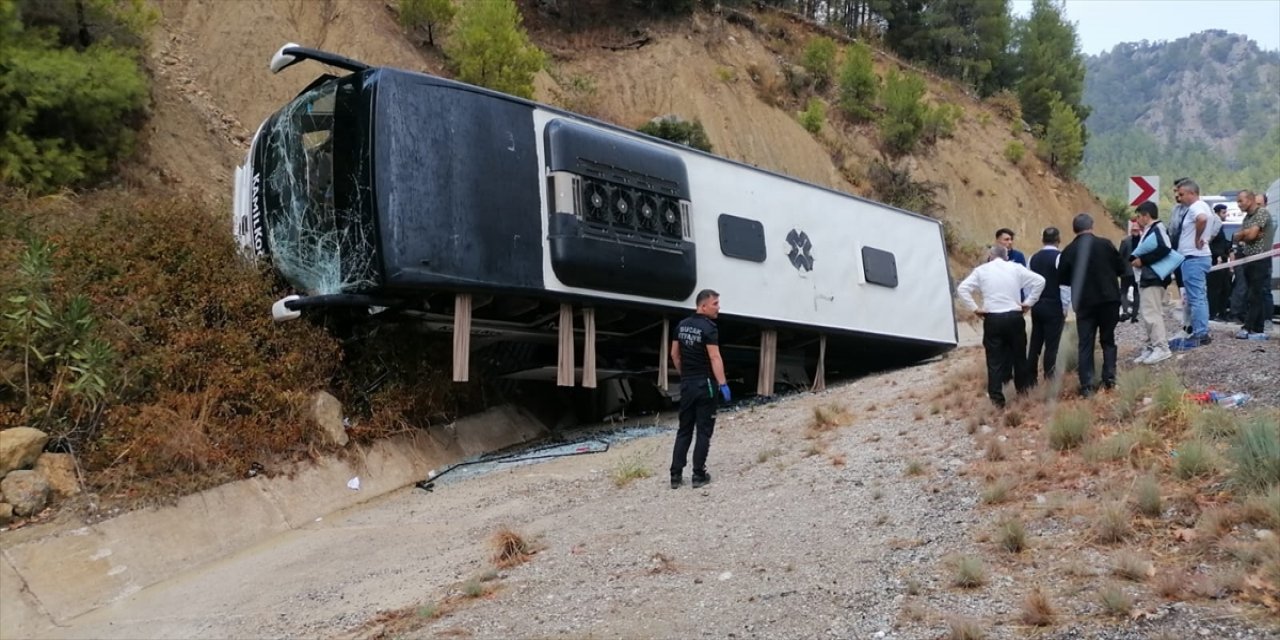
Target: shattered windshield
[{"x": 317, "y": 218}]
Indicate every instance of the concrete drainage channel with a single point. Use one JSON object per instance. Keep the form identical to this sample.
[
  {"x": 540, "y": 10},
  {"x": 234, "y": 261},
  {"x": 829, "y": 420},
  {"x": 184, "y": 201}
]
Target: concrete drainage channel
[
  {"x": 580, "y": 443},
  {"x": 52, "y": 575}
]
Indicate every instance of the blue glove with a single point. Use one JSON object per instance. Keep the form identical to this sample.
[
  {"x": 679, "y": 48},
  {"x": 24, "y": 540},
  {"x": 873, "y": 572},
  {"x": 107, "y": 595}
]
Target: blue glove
[{"x": 724, "y": 391}]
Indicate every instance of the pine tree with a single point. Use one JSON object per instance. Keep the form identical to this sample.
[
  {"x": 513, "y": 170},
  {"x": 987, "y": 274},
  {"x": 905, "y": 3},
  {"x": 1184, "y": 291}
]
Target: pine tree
[
  {"x": 491, "y": 48},
  {"x": 903, "y": 118},
  {"x": 67, "y": 113},
  {"x": 1064, "y": 139},
  {"x": 415, "y": 14},
  {"x": 1051, "y": 66},
  {"x": 858, "y": 82}
]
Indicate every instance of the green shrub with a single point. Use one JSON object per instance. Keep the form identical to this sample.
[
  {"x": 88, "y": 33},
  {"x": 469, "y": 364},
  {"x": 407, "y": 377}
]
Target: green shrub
[
  {"x": 819, "y": 59},
  {"x": 1118, "y": 446},
  {"x": 1015, "y": 151},
  {"x": 902, "y": 122},
  {"x": 1256, "y": 453},
  {"x": 490, "y": 48},
  {"x": 1194, "y": 458},
  {"x": 1063, "y": 143},
  {"x": 202, "y": 383},
  {"x": 65, "y": 369},
  {"x": 1215, "y": 423},
  {"x": 1147, "y": 493},
  {"x": 1006, "y": 105},
  {"x": 813, "y": 117},
  {"x": 1069, "y": 427},
  {"x": 940, "y": 121},
  {"x": 895, "y": 186},
  {"x": 1168, "y": 405},
  {"x": 1118, "y": 210},
  {"x": 68, "y": 115},
  {"x": 428, "y": 14},
  {"x": 690, "y": 134},
  {"x": 858, "y": 82},
  {"x": 1131, "y": 385}
]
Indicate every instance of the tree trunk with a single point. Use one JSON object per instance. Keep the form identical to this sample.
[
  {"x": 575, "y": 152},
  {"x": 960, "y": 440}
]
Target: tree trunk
[{"x": 84, "y": 25}]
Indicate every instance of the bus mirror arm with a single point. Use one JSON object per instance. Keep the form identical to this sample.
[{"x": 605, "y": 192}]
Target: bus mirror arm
[
  {"x": 291, "y": 307},
  {"x": 292, "y": 53}
]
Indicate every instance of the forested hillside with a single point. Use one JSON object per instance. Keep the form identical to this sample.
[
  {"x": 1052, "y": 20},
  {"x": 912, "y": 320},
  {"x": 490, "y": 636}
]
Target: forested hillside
[{"x": 1204, "y": 105}]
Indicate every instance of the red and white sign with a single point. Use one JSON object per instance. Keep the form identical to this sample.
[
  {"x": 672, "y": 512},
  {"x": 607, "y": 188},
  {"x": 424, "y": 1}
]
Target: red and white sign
[{"x": 1143, "y": 189}]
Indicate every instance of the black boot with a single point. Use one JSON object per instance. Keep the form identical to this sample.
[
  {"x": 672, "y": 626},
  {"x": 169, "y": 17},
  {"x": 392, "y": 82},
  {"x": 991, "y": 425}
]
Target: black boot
[{"x": 700, "y": 479}]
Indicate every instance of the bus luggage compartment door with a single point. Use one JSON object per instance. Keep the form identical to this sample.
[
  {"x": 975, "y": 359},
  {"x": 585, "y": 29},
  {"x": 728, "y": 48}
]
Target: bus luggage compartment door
[{"x": 619, "y": 214}]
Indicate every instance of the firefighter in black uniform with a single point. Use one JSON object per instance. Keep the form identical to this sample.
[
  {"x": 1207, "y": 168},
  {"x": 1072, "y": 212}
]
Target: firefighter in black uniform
[{"x": 696, "y": 353}]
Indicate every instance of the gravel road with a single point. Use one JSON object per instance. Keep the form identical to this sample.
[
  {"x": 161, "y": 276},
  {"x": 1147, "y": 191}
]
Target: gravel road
[{"x": 834, "y": 536}]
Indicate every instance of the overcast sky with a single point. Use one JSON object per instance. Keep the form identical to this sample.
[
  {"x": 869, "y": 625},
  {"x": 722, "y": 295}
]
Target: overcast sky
[{"x": 1102, "y": 24}]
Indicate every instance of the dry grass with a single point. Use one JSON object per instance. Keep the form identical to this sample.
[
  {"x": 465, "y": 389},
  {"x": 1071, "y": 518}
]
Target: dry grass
[
  {"x": 1013, "y": 417},
  {"x": 1169, "y": 584},
  {"x": 662, "y": 564},
  {"x": 1132, "y": 566},
  {"x": 995, "y": 450},
  {"x": 968, "y": 572},
  {"x": 509, "y": 548},
  {"x": 997, "y": 492},
  {"x": 1256, "y": 453},
  {"x": 1012, "y": 535},
  {"x": 1264, "y": 509},
  {"x": 1131, "y": 387},
  {"x": 827, "y": 417},
  {"x": 1117, "y": 446},
  {"x": 1215, "y": 423},
  {"x": 1037, "y": 611},
  {"x": 1147, "y": 496},
  {"x": 629, "y": 468},
  {"x": 766, "y": 454},
  {"x": 1194, "y": 458},
  {"x": 1115, "y": 601},
  {"x": 1112, "y": 525},
  {"x": 1169, "y": 409},
  {"x": 1213, "y": 523},
  {"x": 964, "y": 629},
  {"x": 1069, "y": 427},
  {"x": 914, "y": 468}
]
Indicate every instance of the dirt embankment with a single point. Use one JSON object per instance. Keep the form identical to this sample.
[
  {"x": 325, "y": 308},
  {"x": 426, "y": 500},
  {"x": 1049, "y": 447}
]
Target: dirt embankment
[{"x": 213, "y": 87}]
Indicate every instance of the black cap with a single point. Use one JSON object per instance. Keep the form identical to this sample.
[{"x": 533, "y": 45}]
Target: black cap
[{"x": 1219, "y": 207}]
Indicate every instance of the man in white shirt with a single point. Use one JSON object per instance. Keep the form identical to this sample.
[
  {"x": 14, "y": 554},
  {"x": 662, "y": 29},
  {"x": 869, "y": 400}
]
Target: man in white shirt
[
  {"x": 1198, "y": 227},
  {"x": 1004, "y": 331}
]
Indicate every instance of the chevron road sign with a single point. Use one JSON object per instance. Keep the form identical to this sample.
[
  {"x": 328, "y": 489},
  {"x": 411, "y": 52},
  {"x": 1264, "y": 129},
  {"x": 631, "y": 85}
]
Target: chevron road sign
[{"x": 1142, "y": 189}]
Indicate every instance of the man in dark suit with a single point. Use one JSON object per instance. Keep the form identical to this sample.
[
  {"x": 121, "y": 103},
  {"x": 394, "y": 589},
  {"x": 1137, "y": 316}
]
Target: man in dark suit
[
  {"x": 1091, "y": 266},
  {"x": 1128, "y": 284},
  {"x": 1049, "y": 314},
  {"x": 1219, "y": 281}
]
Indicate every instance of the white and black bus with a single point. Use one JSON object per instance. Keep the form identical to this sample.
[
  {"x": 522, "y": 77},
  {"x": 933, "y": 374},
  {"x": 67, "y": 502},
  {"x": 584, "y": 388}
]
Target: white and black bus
[{"x": 390, "y": 191}]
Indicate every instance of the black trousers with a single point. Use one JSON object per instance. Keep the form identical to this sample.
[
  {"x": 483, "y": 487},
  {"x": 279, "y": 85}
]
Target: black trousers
[
  {"x": 1097, "y": 323},
  {"x": 697, "y": 412},
  {"x": 1219, "y": 293},
  {"x": 1129, "y": 308},
  {"x": 1004, "y": 338},
  {"x": 1238, "y": 294},
  {"x": 1046, "y": 333},
  {"x": 1257, "y": 277}
]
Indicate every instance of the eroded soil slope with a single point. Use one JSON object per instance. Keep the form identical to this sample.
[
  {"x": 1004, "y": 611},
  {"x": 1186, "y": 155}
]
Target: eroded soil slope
[{"x": 213, "y": 88}]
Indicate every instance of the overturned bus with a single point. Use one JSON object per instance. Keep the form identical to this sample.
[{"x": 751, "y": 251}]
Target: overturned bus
[{"x": 403, "y": 196}]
